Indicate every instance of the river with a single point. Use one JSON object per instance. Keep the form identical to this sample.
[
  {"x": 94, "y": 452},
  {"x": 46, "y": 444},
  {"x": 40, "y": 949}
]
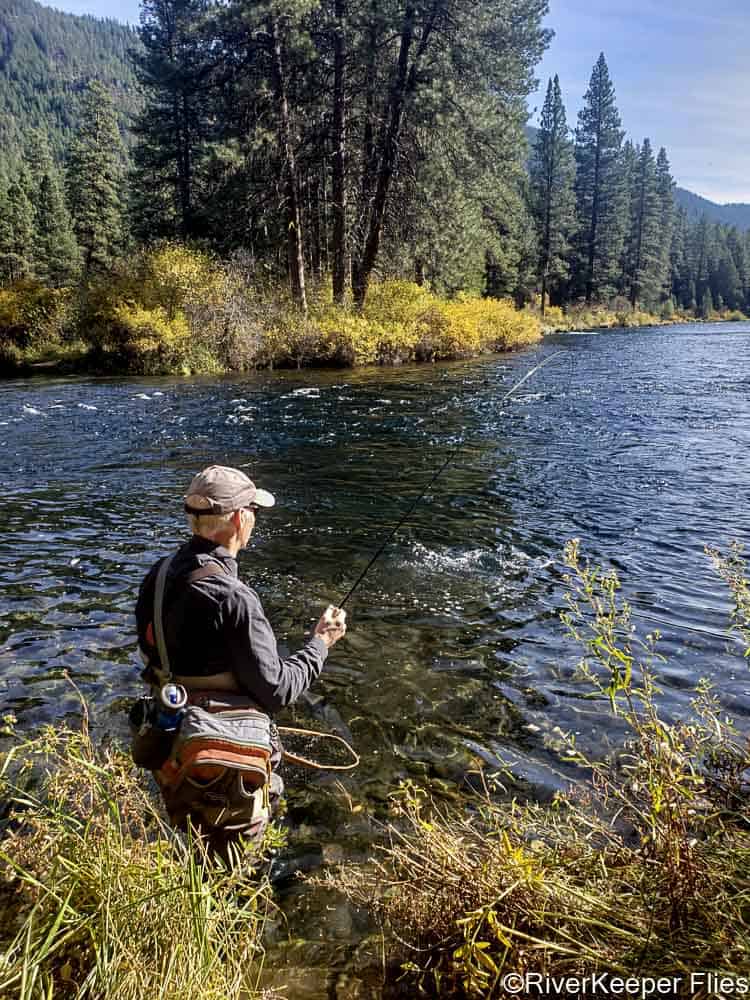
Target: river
[{"x": 635, "y": 442}]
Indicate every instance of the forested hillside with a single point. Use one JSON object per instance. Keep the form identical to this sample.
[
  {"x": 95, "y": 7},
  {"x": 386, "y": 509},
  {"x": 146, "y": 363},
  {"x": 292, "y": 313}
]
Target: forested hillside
[
  {"x": 46, "y": 60},
  {"x": 733, "y": 214}
]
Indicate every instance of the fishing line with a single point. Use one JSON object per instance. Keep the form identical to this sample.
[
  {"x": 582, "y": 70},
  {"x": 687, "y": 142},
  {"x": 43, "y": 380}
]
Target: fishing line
[{"x": 451, "y": 455}]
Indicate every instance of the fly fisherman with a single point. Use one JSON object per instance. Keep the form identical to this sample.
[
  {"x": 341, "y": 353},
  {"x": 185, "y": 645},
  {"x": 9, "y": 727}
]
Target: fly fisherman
[{"x": 194, "y": 612}]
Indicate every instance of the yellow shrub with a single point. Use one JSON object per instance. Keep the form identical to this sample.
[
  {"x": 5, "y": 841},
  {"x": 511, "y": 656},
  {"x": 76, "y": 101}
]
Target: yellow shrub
[
  {"x": 148, "y": 339},
  {"x": 554, "y": 319},
  {"x": 346, "y": 337},
  {"x": 29, "y": 312},
  {"x": 394, "y": 311},
  {"x": 490, "y": 324},
  {"x": 173, "y": 276}
]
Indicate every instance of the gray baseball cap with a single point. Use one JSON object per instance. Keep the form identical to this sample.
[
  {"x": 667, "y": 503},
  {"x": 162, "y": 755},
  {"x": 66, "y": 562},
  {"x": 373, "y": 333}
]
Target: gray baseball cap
[{"x": 220, "y": 490}]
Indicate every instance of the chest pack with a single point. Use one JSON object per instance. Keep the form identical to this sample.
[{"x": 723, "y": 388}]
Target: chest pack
[{"x": 213, "y": 765}]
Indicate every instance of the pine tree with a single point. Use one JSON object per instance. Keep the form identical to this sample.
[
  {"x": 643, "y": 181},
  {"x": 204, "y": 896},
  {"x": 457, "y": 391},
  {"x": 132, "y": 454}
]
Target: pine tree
[
  {"x": 601, "y": 199},
  {"x": 56, "y": 254},
  {"x": 553, "y": 199},
  {"x": 699, "y": 253},
  {"x": 729, "y": 286},
  {"x": 645, "y": 256},
  {"x": 16, "y": 231},
  {"x": 173, "y": 67},
  {"x": 628, "y": 168},
  {"x": 679, "y": 269},
  {"x": 665, "y": 188},
  {"x": 737, "y": 248},
  {"x": 95, "y": 182}
]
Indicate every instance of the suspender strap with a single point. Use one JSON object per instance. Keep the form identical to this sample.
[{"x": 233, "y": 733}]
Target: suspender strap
[{"x": 164, "y": 670}]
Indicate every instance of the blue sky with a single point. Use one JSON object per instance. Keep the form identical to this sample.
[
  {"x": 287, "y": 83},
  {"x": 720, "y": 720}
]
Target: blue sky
[{"x": 681, "y": 71}]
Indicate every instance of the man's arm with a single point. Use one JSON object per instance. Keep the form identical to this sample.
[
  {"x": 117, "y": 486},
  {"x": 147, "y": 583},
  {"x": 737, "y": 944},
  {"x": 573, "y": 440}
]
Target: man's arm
[{"x": 274, "y": 683}]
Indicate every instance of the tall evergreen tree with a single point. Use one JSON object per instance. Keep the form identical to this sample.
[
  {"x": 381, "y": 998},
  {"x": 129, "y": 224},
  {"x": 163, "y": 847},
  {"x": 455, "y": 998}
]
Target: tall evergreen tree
[
  {"x": 645, "y": 256},
  {"x": 665, "y": 189},
  {"x": 173, "y": 65},
  {"x": 56, "y": 253},
  {"x": 727, "y": 281},
  {"x": 601, "y": 199},
  {"x": 628, "y": 166},
  {"x": 553, "y": 199},
  {"x": 16, "y": 231},
  {"x": 95, "y": 182},
  {"x": 700, "y": 252},
  {"x": 679, "y": 270},
  {"x": 737, "y": 248}
]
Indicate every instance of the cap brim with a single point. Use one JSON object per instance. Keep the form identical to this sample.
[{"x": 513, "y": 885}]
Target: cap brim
[{"x": 263, "y": 498}]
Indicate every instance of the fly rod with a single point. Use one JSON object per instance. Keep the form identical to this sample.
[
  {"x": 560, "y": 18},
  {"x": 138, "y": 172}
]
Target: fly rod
[{"x": 451, "y": 455}]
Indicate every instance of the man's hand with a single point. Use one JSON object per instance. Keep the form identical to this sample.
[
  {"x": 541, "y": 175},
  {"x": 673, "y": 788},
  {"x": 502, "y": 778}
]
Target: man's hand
[{"x": 332, "y": 625}]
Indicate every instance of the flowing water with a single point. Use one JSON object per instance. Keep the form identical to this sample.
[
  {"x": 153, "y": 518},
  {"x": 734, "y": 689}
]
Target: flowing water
[{"x": 634, "y": 442}]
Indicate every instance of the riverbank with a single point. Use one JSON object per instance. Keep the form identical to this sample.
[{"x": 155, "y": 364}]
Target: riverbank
[
  {"x": 176, "y": 311},
  {"x": 621, "y": 316},
  {"x": 99, "y": 898},
  {"x": 172, "y": 310},
  {"x": 641, "y": 870}
]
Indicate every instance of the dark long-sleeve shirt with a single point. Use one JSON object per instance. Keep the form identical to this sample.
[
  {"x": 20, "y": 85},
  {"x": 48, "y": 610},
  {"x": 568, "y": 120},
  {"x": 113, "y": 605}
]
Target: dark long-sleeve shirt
[{"x": 217, "y": 624}]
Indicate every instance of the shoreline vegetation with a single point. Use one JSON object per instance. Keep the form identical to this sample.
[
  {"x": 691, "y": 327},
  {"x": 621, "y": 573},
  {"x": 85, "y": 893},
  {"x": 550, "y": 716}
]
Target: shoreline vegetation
[
  {"x": 640, "y": 868},
  {"x": 173, "y": 310}
]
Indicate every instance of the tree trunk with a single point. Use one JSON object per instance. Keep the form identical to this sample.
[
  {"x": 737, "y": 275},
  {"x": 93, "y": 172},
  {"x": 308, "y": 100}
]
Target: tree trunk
[
  {"x": 369, "y": 161},
  {"x": 339, "y": 155},
  {"x": 315, "y": 227},
  {"x": 295, "y": 259},
  {"x": 388, "y": 154},
  {"x": 404, "y": 84}
]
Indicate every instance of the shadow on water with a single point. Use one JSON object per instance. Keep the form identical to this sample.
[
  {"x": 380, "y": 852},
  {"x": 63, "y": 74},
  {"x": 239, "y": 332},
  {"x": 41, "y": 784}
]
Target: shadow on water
[{"x": 635, "y": 442}]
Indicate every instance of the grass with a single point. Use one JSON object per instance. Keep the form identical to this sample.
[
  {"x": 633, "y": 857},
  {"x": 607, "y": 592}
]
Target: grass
[
  {"x": 100, "y": 899},
  {"x": 642, "y": 869}
]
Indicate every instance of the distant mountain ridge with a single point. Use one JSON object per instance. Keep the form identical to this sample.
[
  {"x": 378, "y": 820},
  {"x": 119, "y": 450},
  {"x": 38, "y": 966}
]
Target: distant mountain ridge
[{"x": 734, "y": 214}]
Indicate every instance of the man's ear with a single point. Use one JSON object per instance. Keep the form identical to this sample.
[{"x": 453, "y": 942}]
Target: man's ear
[{"x": 237, "y": 519}]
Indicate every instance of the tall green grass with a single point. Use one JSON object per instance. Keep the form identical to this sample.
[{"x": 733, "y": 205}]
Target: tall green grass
[{"x": 100, "y": 899}]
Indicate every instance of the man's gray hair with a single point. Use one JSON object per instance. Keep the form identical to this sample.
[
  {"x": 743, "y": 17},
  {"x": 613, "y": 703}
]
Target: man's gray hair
[{"x": 207, "y": 525}]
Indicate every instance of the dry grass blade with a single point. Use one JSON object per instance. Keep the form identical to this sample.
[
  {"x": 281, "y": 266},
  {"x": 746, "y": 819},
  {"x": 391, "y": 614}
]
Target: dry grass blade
[{"x": 101, "y": 900}]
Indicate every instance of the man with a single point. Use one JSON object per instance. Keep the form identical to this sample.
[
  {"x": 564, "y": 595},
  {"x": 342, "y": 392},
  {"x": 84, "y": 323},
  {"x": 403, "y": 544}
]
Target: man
[{"x": 219, "y": 643}]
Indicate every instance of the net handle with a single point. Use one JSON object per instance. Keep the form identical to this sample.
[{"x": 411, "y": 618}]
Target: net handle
[{"x": 293, "y": 758}]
